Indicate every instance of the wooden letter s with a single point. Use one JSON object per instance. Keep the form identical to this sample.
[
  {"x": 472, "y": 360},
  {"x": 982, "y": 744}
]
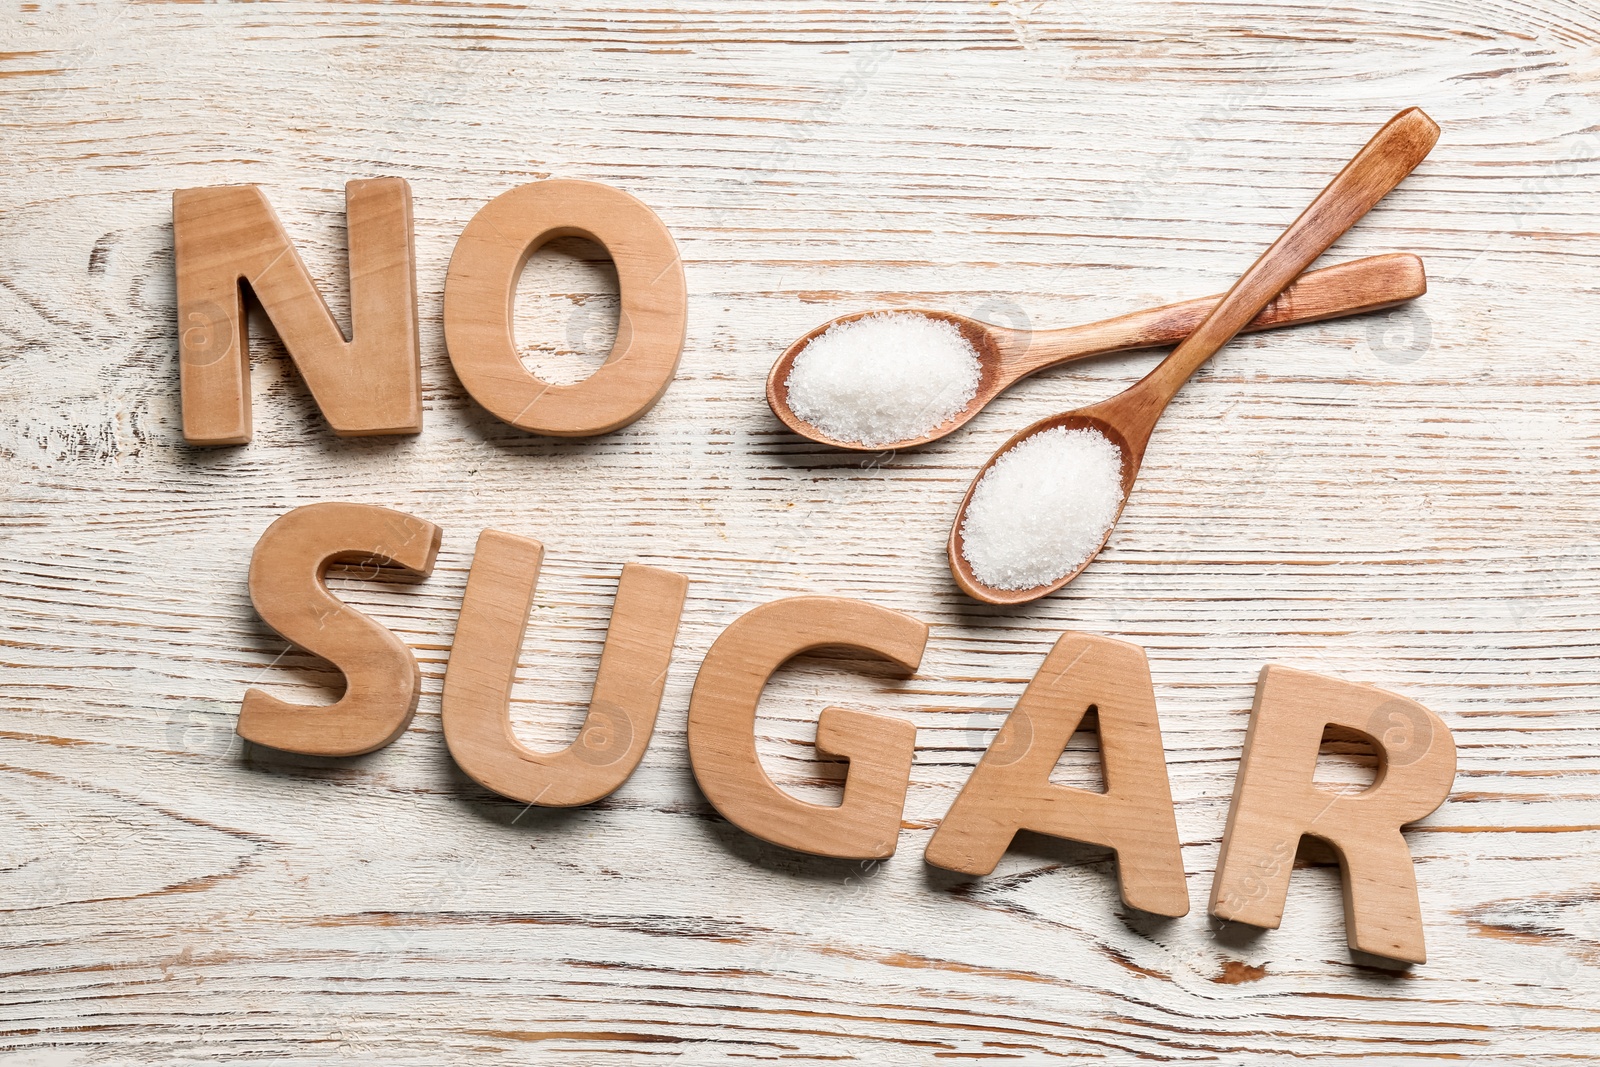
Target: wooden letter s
[{"x": 286, "y": 584}]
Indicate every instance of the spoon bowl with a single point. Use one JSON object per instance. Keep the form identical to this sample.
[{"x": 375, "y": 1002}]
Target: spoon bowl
[
  {"x": 1129, "y": 418},
  {"x": 991, "y": 344},
  {"x": 1084, "y": 419},
  {"x": 1006, "y": 356}
]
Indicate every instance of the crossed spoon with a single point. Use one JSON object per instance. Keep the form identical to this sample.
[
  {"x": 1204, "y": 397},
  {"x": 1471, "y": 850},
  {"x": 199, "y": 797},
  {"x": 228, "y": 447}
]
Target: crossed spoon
[
  {"x": 1258, "y": 301},
  {"x": 1006, "y": 356},
  {"x": 1127, "y": 419}
]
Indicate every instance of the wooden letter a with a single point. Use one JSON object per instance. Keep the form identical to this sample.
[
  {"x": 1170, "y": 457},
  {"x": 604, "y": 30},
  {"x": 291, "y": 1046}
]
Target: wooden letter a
[{"x": 1011, "y": 790}]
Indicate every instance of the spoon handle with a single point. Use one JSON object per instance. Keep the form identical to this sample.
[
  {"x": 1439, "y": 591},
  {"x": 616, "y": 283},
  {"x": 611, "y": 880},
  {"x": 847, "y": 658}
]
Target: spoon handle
[
  {"x": 1393, "y": 152},
  {"x": 1346, "y": 289}
]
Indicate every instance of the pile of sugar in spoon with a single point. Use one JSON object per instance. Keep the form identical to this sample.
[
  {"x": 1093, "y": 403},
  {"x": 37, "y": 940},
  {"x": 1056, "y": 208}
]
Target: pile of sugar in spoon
[
  {"x": 884, "y": 378},
  {"x": 1043, "y": 508}
]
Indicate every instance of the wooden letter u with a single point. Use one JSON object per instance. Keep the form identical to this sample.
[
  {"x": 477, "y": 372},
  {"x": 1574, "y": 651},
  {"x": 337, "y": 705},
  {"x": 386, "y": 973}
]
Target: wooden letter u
[{"x": 627, "y": 689}]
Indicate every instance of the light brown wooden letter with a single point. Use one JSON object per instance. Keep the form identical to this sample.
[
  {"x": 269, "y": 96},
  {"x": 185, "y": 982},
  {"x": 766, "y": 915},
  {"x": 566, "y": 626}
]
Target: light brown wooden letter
[
  {"x": 722, "y": 718},
  {"x": 286, "y": 584},
  {"x": 1275, "y": 802},
  {"x": 482, "y": 285},
  {"x": 1010, "y": 789},
  {"x": 227, "y": 234},
  {"x": 627, "y": 689}
]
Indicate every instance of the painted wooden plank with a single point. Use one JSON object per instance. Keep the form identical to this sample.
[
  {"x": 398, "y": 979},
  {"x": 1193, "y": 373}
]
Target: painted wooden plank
[{"x": 1407, "y": 500}]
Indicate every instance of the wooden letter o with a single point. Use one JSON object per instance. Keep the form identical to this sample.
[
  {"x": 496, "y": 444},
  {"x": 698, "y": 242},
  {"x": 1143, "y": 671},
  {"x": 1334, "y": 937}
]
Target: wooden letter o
[{"x": 482, "y": 285}]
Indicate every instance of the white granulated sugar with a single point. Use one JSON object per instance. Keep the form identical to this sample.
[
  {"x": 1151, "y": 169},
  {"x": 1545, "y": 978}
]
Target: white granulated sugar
[
  {"x": 884, "y": 378},
  {"x": 1042, "y": 508}
]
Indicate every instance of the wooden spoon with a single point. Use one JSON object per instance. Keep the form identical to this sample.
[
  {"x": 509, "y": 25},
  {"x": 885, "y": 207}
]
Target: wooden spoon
[
  {"x": 1006, "y": 356},
  {"x": 1128, "y": 418}
]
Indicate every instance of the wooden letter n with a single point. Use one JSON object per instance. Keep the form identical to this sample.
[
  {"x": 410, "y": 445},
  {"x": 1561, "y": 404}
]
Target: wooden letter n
[{"x": 227, "y": 235}]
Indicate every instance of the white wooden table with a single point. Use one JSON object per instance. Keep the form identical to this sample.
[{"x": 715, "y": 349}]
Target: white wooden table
[{"x": 1409, "y": 500}]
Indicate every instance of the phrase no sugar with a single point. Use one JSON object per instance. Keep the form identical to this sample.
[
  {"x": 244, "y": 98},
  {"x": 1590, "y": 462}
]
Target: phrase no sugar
[{"x": 370, "y": 384}]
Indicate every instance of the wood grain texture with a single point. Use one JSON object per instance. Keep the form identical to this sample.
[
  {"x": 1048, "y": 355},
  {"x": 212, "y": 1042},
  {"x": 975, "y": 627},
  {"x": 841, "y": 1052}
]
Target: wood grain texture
[{"x": 170, "y": 893}]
